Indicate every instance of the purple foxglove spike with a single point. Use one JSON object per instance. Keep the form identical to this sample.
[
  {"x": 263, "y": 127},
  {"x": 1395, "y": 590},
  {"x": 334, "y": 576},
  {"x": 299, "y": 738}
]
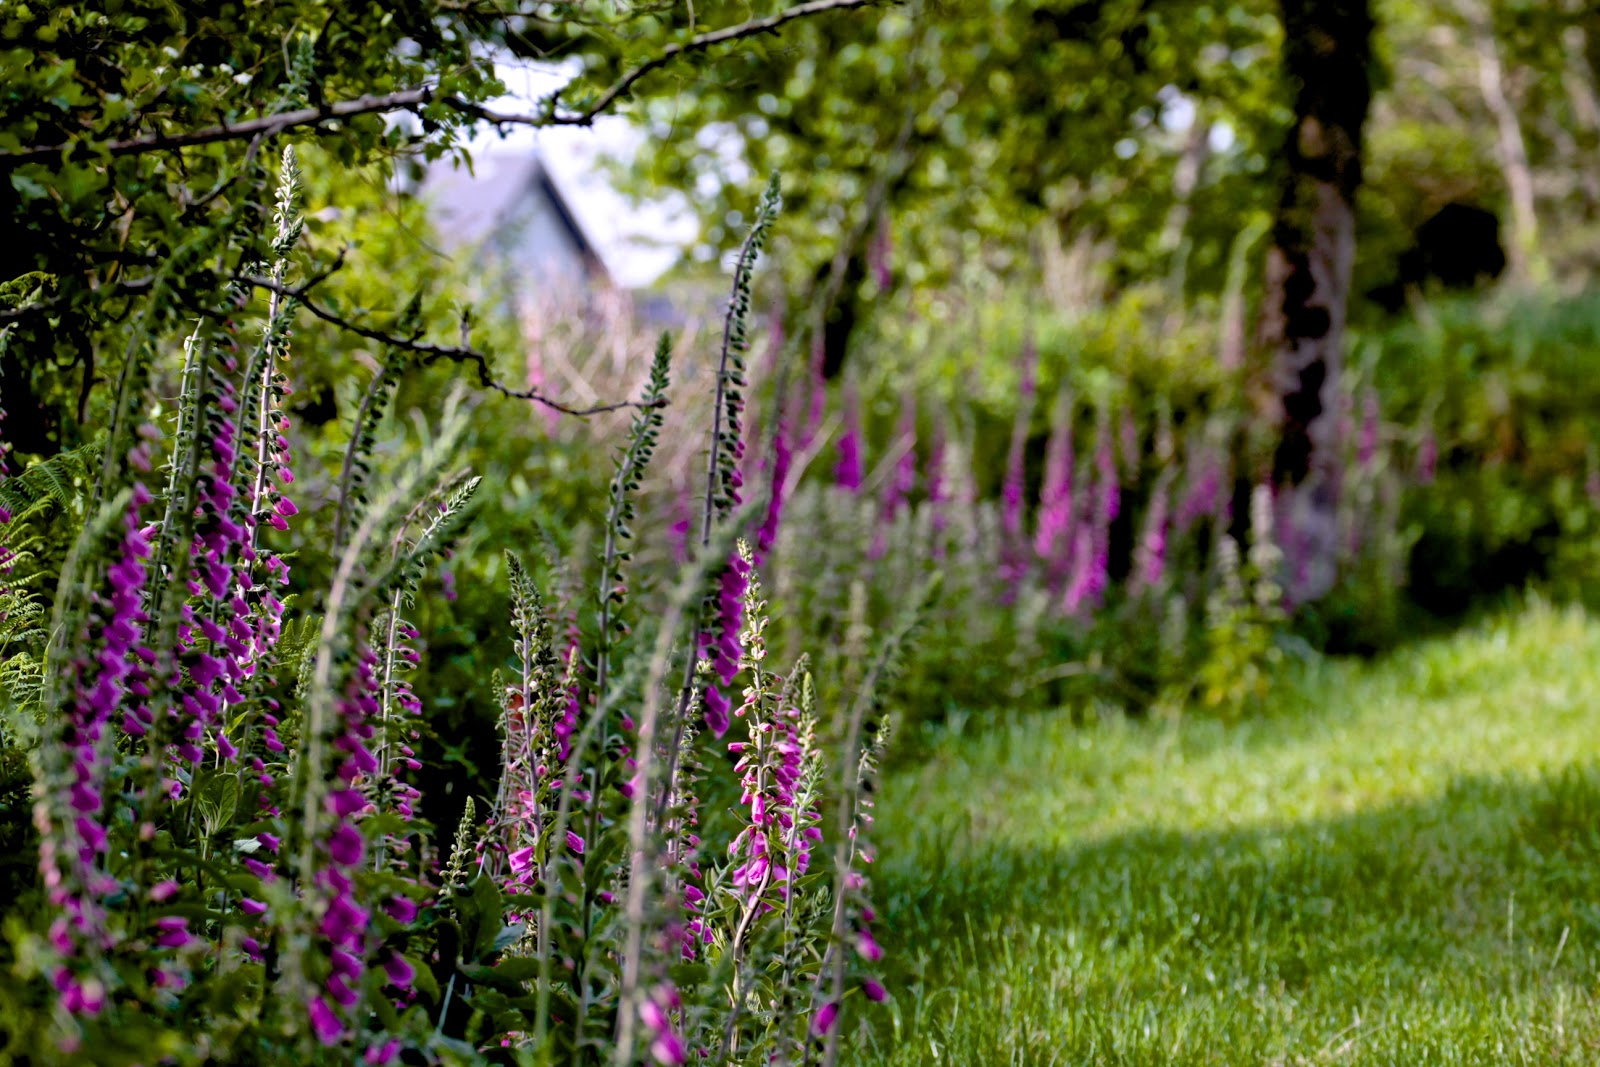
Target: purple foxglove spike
[
  {"x": 1203, "y": 484},
  {"x": 1053, "y": 529},
  {"x": 848, "y": 475},
  {"x": 1108, "y": 497},
  {"x": 1151, "y": 554},
  {"x": 904, "y": 482},
  {"x": 1078, "y": 590},
  {"x": 325, "y": 1023},
  {"x": 781, "y": 458},
  {"x": 1011, "y": 490},
  {"x": 938, "y": 492}
]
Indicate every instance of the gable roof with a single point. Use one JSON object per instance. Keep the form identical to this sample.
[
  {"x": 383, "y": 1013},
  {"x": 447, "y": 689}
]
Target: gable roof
[{"x": 495, "y": 201}]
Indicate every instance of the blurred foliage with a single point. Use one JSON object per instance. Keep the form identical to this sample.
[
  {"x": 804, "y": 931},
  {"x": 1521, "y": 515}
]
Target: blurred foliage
[
  {"x": 931, "y": 144},
  {"x": 981, "y": 127},
  {"x": 1507, "y": 387}
]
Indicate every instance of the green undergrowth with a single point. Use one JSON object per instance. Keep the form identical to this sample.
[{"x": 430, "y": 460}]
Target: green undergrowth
[{"x": 1396, "y": 863}]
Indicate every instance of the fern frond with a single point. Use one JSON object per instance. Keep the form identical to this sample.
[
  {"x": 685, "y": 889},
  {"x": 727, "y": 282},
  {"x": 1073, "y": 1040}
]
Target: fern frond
[{"x": 65, "y": 480}]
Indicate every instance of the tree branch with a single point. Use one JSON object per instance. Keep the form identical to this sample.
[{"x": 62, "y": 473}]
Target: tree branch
[
  {"x": 698, "y": 43},
  {"x": 430, "y": 353},
  {"x": 414, "y": 99},
  {"x": 265, "y": 126}
]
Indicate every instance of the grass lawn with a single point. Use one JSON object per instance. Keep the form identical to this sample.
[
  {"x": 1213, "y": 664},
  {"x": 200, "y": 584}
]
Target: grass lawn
[{"x": 1396, "y": 863}]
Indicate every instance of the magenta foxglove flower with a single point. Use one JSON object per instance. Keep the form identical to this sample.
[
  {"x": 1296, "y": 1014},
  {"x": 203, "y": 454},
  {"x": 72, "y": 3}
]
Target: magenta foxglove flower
[
  {"x": 1014, "y": 561},
  {"x": 70, "y": 814},
  {"x": 938, "y": 491},
  {"x": 1053, "y": 531},
  {"x": 384, "y": 1054},
  {"x": 848, "y": 474},
  {"x": 722, "y": 646},
  {"x": 325, "y": 1023},
  {"x": 666, "y": 1046},
  {"x": 1150, "y": 556},
  {"x": 782, "y": 456},
  {"x": 779, "y": 835},
  {"x": 172, "y": 931},
  {"x": 903, "y": 482},
  {"x": 1081, "y": 585},
  {"x": 1205, "y": 492}
]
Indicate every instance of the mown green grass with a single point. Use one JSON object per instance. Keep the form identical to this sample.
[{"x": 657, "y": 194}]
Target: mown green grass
[{"x": 1395, "y": 863}]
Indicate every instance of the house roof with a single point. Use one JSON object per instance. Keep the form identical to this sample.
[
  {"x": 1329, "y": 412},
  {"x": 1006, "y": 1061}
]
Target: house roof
[{"x": 477, "y": 206}]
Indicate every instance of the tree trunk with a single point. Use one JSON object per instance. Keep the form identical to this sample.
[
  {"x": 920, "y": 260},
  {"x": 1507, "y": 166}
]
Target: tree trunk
[
  {"x": 1175, "y": 242},
  {"x": 1326, "y": 55},
  {"x": 1578, "y": 80},
  {"x": 1511, "y": 146}
]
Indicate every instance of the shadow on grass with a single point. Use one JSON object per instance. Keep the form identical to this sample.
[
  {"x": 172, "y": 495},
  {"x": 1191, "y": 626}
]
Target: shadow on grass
[{"x": 1458, "y": 930}]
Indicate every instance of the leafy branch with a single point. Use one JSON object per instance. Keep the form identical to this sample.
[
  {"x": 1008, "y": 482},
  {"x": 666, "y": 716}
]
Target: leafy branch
[
  {"x": 415, "y": 100},
  {"x": 697, "y": 43}
]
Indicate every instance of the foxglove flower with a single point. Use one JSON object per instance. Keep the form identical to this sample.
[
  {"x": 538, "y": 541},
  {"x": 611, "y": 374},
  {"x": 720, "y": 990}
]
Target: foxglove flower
[
  {"x": 897, "y": 492},
  {"x": 938, "y": 492},
  {"x": 848, "y": 475},
  {"x": 72, "y": 813},
  {"x": 1013, "y": 558},
  {"x": 767, "y": 536},
  {"x": 1053, "y": 532},
  {"x": 1150, "y": 558},
  {"x": 1204, "y": 492},
  {"x": 720, "y": 645},
  {"x": 667, "y": 1047}
]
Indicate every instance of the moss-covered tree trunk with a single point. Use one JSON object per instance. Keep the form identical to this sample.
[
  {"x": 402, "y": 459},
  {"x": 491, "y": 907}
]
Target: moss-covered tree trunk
[{"x": 1326, "y": 55}]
